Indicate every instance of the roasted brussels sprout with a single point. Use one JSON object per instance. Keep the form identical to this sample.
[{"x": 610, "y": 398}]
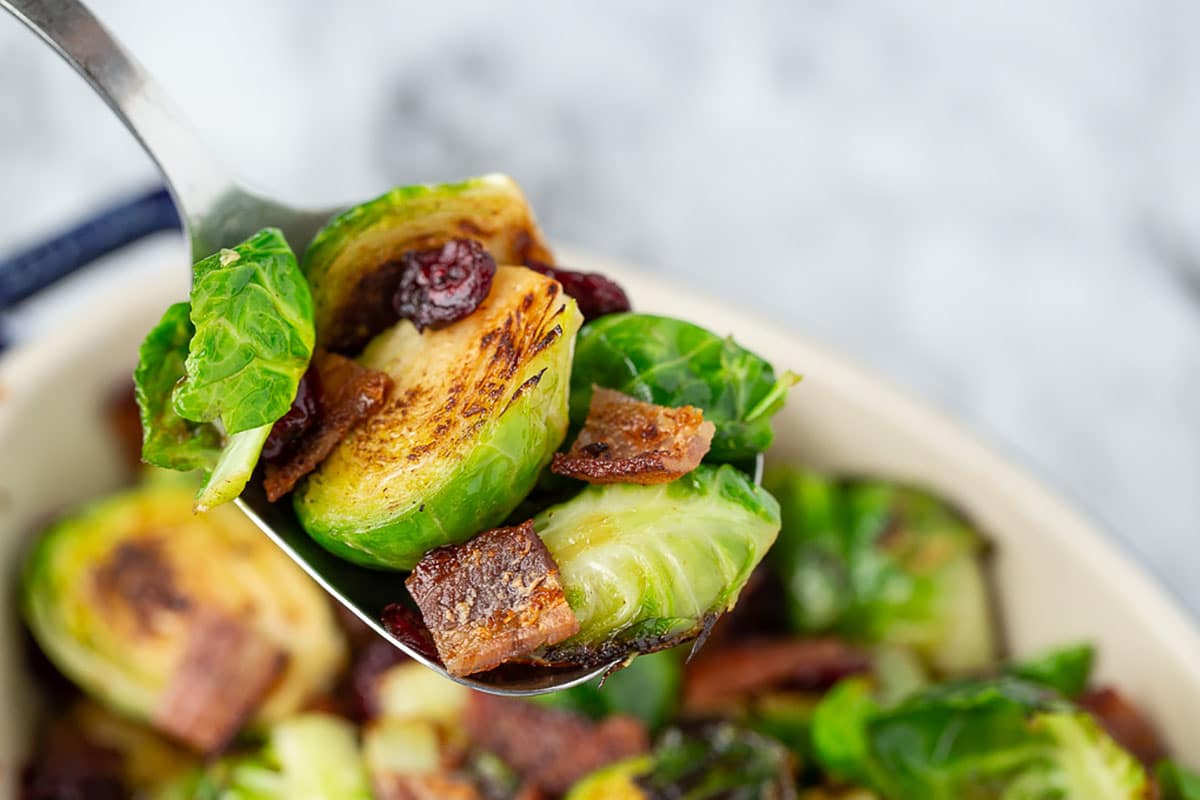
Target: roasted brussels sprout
[
  {"x": 148, "y": 607},
  {"x": 248, "y": 335},
  {"x": 674, "y": 363},
  {"x": 476, "y": 411},
  {"x": 648, "y": 567},
  {"x": 353, "y": 257},
  {"x": 1002, "y": 738},
  {"x": 877, "y": 562},
  {"x": 716, "y": 761},
  {"x": 306, "y": 756}
]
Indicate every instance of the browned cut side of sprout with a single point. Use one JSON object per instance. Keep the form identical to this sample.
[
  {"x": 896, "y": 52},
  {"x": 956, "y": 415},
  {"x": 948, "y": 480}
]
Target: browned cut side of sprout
[{"x": 627, "y": 441}]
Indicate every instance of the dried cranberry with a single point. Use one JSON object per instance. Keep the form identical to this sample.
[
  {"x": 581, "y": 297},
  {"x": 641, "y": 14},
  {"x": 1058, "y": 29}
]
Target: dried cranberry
[
  {"x": 595, "y": 294},
  {"x": 299, "y": 418},
  {"x": 444, "y": 284},
  {"x": 406, "y": 625}
]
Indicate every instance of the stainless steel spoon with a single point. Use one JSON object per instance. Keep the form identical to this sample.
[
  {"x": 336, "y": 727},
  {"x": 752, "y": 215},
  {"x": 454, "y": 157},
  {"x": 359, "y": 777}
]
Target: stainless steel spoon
[{"x": 218, "y": 211}]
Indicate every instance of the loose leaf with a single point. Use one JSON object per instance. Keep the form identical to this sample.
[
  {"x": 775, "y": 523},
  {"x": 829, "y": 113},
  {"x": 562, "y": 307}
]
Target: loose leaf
[
  {"x": 253, "y": 317},
  {"x": 1065, "y": 669},
  {"x": 169, "y": 440},
  {"x": 674, "y": 363}
]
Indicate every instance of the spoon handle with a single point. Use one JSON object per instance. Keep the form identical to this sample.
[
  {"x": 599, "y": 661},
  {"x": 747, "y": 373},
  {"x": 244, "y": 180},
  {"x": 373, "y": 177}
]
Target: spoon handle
[{"x": 196, "y": 181}]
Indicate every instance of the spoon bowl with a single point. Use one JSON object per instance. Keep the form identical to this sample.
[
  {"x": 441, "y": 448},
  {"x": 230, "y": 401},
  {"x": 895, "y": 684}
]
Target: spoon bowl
[{"x": 218, "y": 211}]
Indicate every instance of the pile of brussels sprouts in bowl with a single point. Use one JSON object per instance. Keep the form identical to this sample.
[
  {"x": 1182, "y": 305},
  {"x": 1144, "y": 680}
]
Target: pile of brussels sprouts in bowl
[{"x": 563, "y": 481}]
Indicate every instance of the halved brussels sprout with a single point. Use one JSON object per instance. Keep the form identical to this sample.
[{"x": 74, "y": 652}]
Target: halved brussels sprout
[
  {"x": 344, "y": 259},
  {"x": 716, "y": 761},
  {"x": 993, "y": 739},
  {"x": 878, "y": 562},
  {"x": 647, "y": 567},
  {"x": 476, "y": 411},
  {"x": 113, "y": 594}
]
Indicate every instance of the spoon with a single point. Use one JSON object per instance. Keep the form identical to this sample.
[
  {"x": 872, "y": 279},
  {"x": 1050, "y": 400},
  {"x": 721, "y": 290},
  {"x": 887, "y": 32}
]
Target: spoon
[{"x": 218, "y": 211}]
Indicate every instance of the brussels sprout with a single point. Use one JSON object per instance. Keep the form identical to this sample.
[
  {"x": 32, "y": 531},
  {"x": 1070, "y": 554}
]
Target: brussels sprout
[
  {"x": 1176, "y": 782},
  {"x": 248, "y": 334},
  {"x": 674, "y": 363},
  {"x": 999, "y": 739},
  {"x": 717, "y": 761},
  {"x": 476, "y": 411},
  {"x": 307, "y": 756},
  {"x": 113, "y": 593},
  {"x": 647, "y": 567},
  {"x": 647, "y": 689},
  {"x": 412, "y": 691},
  {"x": 1064, "y": 669},
  {"x": 348, "y": 252},
  {"x": 878, "y": 562}
]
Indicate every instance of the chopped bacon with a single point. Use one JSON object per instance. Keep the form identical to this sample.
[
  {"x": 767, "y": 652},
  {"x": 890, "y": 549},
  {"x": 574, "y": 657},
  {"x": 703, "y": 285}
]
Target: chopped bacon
[
  {"x": 424, "y": 787},
  {"x": 491, "y": 599},
  {"x": 550, "y": 748},
  {"x": 746, "y": 667},
  {"x": 349, "y": 394},
  {"x": 627, "y": 441},
  {"x": 1125, "y": 723},
  {"x": 226, "y": 670}
]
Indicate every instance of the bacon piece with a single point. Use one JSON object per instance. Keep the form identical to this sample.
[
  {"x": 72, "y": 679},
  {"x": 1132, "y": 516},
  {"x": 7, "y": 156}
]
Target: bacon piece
[
  {"x": 550, "y": 748},
  {"x": 349, "y": 394},
  {"x": 226, "y": 670},
  {"x": 627, "y": 441},
  {"x": 491, "y": 599},
  {"x": 716, "y": 677},
  {"x": 1125, "y": 723}
]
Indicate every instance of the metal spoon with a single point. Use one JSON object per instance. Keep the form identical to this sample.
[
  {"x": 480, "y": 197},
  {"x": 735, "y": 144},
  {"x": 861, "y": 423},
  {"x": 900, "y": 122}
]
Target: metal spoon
[{"x": 218, "y": 211}]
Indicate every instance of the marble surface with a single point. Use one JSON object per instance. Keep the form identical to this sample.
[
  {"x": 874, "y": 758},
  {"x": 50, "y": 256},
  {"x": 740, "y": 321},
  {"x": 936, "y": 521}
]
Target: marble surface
[{"x": 994, "y": 207}]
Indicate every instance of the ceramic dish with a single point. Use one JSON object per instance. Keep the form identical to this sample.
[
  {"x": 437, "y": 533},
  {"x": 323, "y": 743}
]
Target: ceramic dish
[{"x": 1058, "y": 576}]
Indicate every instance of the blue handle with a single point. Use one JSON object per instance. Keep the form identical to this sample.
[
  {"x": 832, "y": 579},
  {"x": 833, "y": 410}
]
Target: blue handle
[{"x": 27, "y": 273}]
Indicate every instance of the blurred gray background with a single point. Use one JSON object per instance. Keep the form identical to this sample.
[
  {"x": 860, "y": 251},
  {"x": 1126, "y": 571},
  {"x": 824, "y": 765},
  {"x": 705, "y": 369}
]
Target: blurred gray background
[{"x": 995, "y": 207}]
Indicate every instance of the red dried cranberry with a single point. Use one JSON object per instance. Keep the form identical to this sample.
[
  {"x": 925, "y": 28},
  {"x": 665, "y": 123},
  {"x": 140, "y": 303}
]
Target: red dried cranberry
[
  {"x": 595, "y": 294},
  {"x": 406, "y": 625},
  {"x": 299, "y": 418},
  {"x": 444, "y": 284}
]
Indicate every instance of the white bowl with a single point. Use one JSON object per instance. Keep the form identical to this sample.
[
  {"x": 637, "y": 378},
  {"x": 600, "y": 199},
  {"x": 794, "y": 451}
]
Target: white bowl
[{"x": 1060, "y": 579}]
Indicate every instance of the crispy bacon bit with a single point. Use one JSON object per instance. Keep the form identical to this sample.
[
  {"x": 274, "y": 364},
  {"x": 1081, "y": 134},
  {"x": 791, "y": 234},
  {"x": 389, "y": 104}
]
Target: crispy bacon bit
[
  {"x": 549, "y": 747},
  {"x": 1125, "y": 723},
  {"x": 755, "y": 665},
  {"x": 226, "y": 670},
  {"x": 423, "y": 787},
  {"x": 349, "y": 394},
  {"x": 491, "y": 599},
  {"x": 627, "y": 441},
  {"x": 595, "y": 294}
]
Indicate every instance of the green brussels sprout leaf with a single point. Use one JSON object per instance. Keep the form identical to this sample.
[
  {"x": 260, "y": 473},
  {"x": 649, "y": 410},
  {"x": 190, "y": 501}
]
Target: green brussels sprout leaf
[
  {"x": 248, "y": 333},
  {"x": 1176, "y": 782},
  {"x": 169, "y": 440},
  {"x": 675, "y": 363},
  {"x": 1065, "y": 669}
]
